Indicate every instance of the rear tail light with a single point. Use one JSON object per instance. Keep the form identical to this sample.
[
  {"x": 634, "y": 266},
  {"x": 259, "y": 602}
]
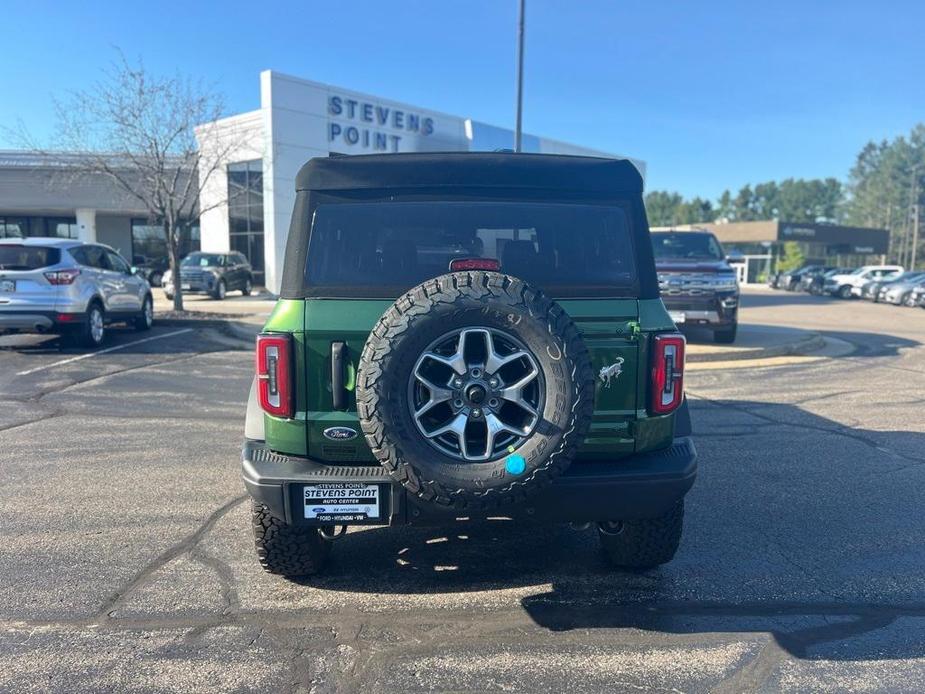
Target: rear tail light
[
  {"x": 62, "y": 276},
  {"x": 275, "y": 374},
  {"x": 667, "y": 373},
  {"x": 463, "y": 264}
]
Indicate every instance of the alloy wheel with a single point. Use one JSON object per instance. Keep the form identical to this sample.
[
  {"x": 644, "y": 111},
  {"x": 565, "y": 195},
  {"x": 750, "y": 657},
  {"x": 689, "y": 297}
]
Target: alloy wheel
[
  {"x": 476, "y": 394},
  {"x": 96, "y": 325}
]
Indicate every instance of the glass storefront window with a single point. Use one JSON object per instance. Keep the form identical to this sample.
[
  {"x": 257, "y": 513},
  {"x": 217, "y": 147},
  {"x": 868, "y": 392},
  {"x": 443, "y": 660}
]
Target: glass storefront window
[
  {"x": 14, "y": 227},
  {"x": 149, "y": 244},
  {"x": 62, "y": 227},
  {"x": 21, "y": 227},
  {"x": 245, "y": 211}
]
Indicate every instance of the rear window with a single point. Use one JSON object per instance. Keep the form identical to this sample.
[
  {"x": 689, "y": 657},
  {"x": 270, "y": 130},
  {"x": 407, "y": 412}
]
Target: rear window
[
  {"x": 385, "y": 248},
  {"x": 202, "y": 260},
  {"x": 27, "y": 257}
]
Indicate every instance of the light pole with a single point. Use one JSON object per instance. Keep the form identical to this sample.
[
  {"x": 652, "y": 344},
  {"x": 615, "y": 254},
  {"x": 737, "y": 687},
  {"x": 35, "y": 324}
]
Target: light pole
[
  {"x": 518, "y": 135},
  {"x": 915, "y": 215}
]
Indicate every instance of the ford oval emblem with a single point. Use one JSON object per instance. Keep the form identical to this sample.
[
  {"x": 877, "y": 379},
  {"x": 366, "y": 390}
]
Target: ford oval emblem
[{"x": 340, "y": 433}]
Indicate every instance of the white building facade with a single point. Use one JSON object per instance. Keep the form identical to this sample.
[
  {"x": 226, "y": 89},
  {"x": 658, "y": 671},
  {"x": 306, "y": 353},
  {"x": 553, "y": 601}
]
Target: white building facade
[{"x": 249, "y": 198}]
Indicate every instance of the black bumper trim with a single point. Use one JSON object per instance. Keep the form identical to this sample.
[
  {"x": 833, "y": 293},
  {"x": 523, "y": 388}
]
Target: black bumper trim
[{"x": 644, "y": 485}]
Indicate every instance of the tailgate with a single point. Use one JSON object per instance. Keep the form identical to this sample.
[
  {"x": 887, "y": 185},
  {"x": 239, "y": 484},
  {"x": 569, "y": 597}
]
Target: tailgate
[
  {"x": 607, "y": 326},
  {"x": 328, "y": 322},
  {"x": 26, "y": 290}
]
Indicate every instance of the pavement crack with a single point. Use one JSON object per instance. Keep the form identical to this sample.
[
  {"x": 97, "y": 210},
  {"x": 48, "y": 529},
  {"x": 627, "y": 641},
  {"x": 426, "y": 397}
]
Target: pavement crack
[
  {"x": 225, "y": 577},
  {"x": 57, "y": 412},
  {"x": 104, "y": 612}
]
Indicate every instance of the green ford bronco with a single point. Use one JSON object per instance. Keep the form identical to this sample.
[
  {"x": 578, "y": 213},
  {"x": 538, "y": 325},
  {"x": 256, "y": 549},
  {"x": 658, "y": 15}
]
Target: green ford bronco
[{"x": 462, "y": 336}]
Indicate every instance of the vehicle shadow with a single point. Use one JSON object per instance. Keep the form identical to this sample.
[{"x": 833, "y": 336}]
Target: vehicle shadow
[
  {"x": 870, "y": 344},
  {"x": 835, "y": 575}
]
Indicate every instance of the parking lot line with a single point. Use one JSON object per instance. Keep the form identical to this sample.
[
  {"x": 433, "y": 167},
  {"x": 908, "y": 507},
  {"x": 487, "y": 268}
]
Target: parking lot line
[{"x": 103, "y": 351}]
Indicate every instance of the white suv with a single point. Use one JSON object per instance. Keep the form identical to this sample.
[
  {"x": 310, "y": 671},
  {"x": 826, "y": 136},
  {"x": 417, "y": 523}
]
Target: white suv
[
  {"x": 849, "y": 284},
  {"x": 67, "y": 287}
]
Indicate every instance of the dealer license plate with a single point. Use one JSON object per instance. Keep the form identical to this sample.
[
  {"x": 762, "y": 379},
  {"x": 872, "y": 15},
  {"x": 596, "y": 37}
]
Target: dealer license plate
[
  {"x": 342, "y": 501},
  {"x": 8, "y": 286},
  {"x": 677, "y": 316}
]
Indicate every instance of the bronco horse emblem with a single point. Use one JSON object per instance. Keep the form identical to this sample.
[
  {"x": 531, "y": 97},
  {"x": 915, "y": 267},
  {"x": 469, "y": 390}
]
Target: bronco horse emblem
[{"x": 610, "y": 373}]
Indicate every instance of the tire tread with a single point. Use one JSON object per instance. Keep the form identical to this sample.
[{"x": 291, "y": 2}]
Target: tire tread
[{"x": 286, "y": 550}]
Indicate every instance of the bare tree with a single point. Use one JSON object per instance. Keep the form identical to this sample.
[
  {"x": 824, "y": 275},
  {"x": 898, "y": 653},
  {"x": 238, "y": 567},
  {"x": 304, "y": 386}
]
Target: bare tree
[{"x": 140, "y": 131}]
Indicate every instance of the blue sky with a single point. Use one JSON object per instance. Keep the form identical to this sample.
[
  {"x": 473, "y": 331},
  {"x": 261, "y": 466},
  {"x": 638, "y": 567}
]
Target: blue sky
[{"x": 712, "y": 95}]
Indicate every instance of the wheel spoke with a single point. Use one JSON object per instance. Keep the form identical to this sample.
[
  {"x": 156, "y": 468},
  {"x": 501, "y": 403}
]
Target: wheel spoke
[
  {"x": 456, "y": 426},
  {"x": 494, "y": 427},
  {"x": 514, "y": 392},
  {"x": 437, "y": 395},
  {"x": 493, "y": 360},
  {"x": 456, "y": 361}
]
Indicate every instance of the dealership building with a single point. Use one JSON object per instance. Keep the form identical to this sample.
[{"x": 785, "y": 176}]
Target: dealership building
[{"x": 248, "y": 199}]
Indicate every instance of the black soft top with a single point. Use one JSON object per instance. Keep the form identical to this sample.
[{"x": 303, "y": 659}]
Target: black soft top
[{"x": 470, "y": 169}]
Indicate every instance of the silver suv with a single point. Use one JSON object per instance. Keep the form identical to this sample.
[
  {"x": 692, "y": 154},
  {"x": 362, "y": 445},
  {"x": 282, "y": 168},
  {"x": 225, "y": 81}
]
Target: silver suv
[{"x": 67, "y": 287}]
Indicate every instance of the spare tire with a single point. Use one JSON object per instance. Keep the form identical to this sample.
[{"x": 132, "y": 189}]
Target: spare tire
[{"x": 474, "y": 390}]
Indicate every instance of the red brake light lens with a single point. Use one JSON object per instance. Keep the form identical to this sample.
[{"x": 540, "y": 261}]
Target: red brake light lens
[
  {"x": 62, "y": 276},
  {"x": 667, "y": 373},
  {"x": 275, "y": 374},
  {"x": 463, "y": 264}
]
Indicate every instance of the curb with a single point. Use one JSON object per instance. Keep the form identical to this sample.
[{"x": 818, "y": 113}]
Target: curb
[{"x": 810, "y": 342}]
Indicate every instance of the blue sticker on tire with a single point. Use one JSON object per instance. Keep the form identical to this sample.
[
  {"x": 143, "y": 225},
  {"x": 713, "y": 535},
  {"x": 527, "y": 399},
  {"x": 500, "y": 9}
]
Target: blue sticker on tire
[{"x": 515, "y": 464}]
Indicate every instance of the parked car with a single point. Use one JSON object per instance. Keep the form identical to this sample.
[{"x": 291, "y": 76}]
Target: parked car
[
  {"x": 214, "y": 274},
  {"x": 474, "y": 391},
  {"x": 153, "y": 269},
  {"x": 698, "y": 285},
  {"x": 884, "y": 286},
  {"x": 899, "y": 293},
  {"x": 918, "y": 296},
  {"x": 70, "y": 288},
  {"x": 790, "y": 280},
  {"x": 870, "y": 290},
  {"x": 813, "y": 275},
  {"x": 849, "y": 285},
  {"x": 774, "y": 279},
  {"x": 817, "y": 285}
]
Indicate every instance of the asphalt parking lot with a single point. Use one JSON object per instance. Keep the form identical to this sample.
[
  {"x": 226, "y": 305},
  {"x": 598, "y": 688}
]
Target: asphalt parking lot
[{"x": 127, "y": 561}]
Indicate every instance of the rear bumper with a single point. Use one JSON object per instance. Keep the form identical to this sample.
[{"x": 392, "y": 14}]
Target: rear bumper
[
  {"x": 198, "y": 289},
  {"x": 645, "y": 485},
  {"x": 38, "y": 321}
]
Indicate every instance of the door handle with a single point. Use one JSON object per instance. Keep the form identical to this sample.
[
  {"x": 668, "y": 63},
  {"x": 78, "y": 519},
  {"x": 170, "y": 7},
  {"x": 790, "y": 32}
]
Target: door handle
[{"x": 338, "y": 359}]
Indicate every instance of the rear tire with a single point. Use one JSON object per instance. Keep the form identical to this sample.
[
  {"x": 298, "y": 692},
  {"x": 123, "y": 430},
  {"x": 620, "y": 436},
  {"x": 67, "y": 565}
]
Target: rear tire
[
  {"x": 93, "y": 331},
  {"x": 286, "y": 550},
  {"x": 145, "y": 319},
  {"x": 639, "y": 545},
  {"x": 844, "y": 292},
  {"x": 726, "y": 336},
  {"x": 248, "y": 287},
  {"x": 156, "y": 279}
]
